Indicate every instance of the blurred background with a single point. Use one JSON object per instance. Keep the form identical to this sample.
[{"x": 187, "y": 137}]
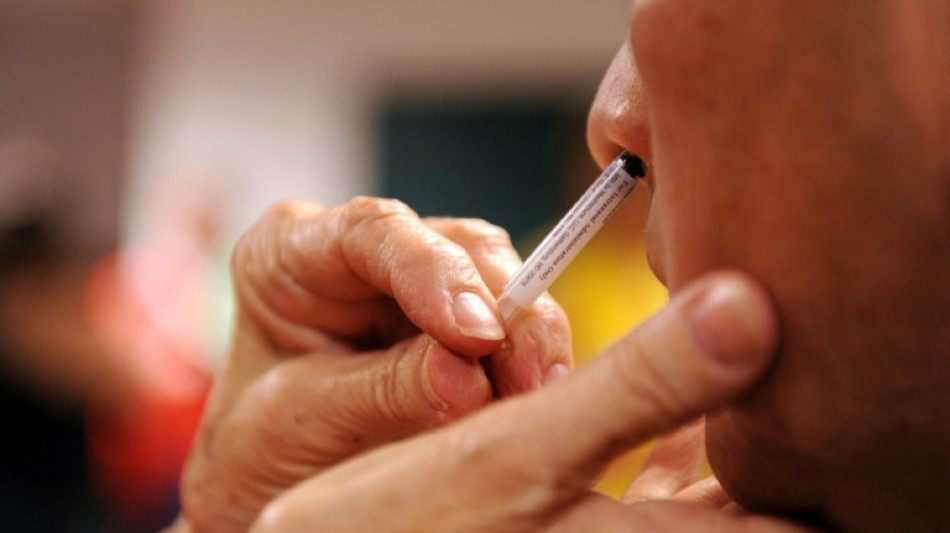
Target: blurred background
[{"x": 139, "y": 139}]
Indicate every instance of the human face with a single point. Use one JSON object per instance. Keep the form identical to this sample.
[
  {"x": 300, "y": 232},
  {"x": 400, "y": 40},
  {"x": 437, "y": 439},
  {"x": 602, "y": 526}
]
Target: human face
[{"x": 806, "y": 143}]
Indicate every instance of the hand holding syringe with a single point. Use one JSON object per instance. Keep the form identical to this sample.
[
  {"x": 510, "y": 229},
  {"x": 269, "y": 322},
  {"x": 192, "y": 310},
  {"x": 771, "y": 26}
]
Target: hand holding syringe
[{"x": 570, "y": 235}]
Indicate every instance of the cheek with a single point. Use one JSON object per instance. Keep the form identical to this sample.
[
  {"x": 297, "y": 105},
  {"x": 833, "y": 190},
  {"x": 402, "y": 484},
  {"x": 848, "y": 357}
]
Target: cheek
[
  {"x": 687, "y": 235},
  {"x": 710, "y": 73},
  {"x": 701, "y": 47},
  {"x": 700, "y": 64}
]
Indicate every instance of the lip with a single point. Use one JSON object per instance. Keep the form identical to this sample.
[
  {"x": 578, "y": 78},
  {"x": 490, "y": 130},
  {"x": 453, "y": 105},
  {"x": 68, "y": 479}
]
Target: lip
[
  {"x": 653, "y": 245},
  {"x": 656, "y": 266},
  {"x": 647, "y": 178}
]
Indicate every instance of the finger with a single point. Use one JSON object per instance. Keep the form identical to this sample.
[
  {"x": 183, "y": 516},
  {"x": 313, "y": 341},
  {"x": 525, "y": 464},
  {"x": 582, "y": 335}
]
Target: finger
[
  {"x": 488, "y": 245},
  {"x": 294, "y": 423},
  {"x": 675, "y": 462},
  {"x": 343, "y": 271},
  {"x": 708, "y": 491},
  {"x": 599, "y": 514},
  {"x": 538, "y": 348},
  {"x": 705, "y": 348},
  {"x": 540, "y": 339},
  {"x": 526, "y": 459}
]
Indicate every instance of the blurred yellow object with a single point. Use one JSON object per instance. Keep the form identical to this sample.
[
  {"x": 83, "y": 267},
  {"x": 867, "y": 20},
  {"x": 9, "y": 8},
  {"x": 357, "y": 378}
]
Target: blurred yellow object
[{"x": 606, "y": 292}]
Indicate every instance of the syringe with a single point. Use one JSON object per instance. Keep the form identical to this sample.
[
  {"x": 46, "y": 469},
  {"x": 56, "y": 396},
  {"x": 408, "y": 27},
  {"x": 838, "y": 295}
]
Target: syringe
[{"x": 570, "y": 235}]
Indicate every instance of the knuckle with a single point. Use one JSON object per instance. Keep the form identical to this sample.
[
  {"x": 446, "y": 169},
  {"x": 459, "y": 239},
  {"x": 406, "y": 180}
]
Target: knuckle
[
  {"x": 390, "y": 397},
  {"x": 245, "y": 259},
  {"x": 282, "y": 209},
  {"x": 552, "y": 313},
  {"x": 259, "y": 243},
  {"x": 553, "y": 330},
  {"x": 485, "y": 230},
  {"x": 475, "y": 232},
  {"x": 279, "y": 215},
  {"x": 376, "y": 228},
  {"x": 367, "y": 209},
  {"x": 398, "y": 399},
  {"x": 487, "y": 243}
]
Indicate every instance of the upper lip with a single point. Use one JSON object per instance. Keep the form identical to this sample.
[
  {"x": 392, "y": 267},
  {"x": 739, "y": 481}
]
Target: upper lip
[
  {"x": 656, "y": 267},
  {"x": 648, "y": 175},
  {"x": 653, "y": 258}
]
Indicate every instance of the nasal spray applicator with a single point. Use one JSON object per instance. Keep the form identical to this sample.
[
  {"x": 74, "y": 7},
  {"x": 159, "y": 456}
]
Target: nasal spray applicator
[{"x": 570, "y": 235}]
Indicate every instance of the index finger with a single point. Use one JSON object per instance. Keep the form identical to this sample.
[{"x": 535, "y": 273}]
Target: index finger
[
  {"x": 540, "y": 338},
  {"x": 348, "y": 271}
]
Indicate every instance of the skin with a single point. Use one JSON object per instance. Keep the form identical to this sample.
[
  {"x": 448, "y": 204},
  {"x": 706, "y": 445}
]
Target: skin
[
  {"x": 834, "y": 208},
  {"x": 359, "y": 407},
  {"x": 516, "y": 481},
  {"x": 347, "y": 337},
  {"x": 807, "y": 144}
]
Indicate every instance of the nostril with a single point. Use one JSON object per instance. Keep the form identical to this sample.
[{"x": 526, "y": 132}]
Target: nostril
[
  {"x": 633, "y": 165},
  {"x": 618, "y": 119}
]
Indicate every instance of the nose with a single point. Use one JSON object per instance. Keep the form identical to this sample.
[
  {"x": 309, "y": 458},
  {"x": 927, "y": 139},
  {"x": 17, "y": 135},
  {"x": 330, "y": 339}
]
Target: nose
[{"x": 618, "y": 117}]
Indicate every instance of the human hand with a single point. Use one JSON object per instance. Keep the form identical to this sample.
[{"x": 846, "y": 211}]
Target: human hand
[
  {"x": 527, "y": 464},
  {"x": 356, "y": 326},
  {"x": 676, "y": 470}
]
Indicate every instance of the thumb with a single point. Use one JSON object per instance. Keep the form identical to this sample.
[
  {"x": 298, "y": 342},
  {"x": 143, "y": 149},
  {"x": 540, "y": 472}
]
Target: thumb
[
  {"x": 708, "y": 346},
  {"x": 705, "y": 348}
]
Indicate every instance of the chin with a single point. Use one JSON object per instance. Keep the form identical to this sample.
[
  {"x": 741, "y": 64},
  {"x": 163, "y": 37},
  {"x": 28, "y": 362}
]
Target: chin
[
  {"x": 760, "y": 472},
  {"x": 656, "y": 267}
]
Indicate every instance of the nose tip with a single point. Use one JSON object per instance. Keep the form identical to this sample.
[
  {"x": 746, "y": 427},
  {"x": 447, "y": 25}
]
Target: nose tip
[{"x": 618, "y": 119}]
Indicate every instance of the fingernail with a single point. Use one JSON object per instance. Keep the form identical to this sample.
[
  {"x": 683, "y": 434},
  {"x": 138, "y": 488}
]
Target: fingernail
[
  {"x": 435, "y": 399},
  {"x": 455, "y": 384},
  {"x": 555, "y": 372},
  {"x": 475, "y": 319},
  {"x": 733, "y": 324}
]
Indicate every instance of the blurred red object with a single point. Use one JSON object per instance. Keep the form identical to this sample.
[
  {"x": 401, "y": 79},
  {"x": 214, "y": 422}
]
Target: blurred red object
[{"x": 137, "y": 449}]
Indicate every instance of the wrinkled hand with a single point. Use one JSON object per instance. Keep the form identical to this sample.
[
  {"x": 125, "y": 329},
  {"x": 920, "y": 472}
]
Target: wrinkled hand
[
  {"x": 675, "y": 470},
  {"x": 357, "y": 326},
  {"x": 527, "y": 464}
]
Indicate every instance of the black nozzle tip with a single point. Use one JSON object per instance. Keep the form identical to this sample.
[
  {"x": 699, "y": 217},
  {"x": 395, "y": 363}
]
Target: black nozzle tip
[{"x": 632, "y": 165}]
